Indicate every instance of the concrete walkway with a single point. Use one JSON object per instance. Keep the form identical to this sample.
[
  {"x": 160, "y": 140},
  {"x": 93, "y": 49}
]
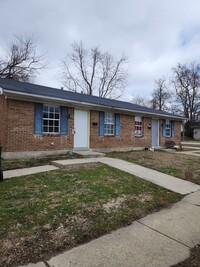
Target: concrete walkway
[
  {"x": 197, "y": 143},
  {"x": 191, "y": 147},
  {"x": 190, "y": 153},
  {"x": 169, "y": 182},
  {"x": 174, "y": 184},
  {"x": 195, "y": 146},
  {"x": 158, "y": 240},
  {"x": 27, "y": 171}
]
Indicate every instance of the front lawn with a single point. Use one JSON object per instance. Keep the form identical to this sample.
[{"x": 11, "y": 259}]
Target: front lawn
[
  {"x": 46, "y": 213},
  {"x": 11, "y": 164},
  {"x": 182, "y": 166}
]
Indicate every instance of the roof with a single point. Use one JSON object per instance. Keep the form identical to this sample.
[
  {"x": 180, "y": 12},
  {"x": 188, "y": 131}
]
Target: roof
[{"x": 28, "y": 89}]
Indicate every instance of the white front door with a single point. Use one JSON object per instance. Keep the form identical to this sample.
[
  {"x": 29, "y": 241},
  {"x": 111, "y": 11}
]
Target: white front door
[
  {"x": 81, "y": 136},
  {"x": 155, "y": 133}
]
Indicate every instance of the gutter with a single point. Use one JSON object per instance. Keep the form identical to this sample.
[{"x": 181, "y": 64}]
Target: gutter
[{"x": 8, "y": 93}]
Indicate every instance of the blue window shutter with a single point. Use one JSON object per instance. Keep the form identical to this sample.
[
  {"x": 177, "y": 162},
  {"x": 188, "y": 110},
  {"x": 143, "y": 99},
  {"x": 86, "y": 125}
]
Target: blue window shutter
[
  {"x": 172, "y": 124},
  {"x": 63, "y": 120},
  {"x": 117, "y": 124},
  {"x": 101, "y": 123},
  {"x": 38, "y": 119},
  {"x": 164, "y": 128}
]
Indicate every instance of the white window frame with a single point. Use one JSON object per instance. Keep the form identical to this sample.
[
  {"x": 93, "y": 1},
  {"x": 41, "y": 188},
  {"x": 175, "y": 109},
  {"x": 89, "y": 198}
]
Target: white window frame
[
  {"x": 138, "y": 126},
  {"x": 168, "y": 128},
  {"x": 109, "y": 124},
  {"x": 53, "y": 117}
]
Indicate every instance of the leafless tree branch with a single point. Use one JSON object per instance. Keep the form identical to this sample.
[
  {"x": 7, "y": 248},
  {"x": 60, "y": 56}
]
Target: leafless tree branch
[
  {"x": 186, "y": 81},
  {"x": 94, "y": 72},
  {"x": 21, "y": 62},
  {"x": 161, "y": 94}
]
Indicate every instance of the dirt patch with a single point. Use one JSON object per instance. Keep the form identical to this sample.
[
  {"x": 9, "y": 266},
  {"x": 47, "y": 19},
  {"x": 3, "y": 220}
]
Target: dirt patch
[
  {"x": 144, "y": 197},
  {"x": 47, "y": 241},
  {"x": 114, "y": 203}
]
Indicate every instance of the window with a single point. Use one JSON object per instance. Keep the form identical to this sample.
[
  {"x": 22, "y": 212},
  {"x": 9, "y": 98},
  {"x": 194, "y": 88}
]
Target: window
[
  {"x": 138, "y": 126},
  {"x": 51, "y": 119},
  {"x": 168, "y": 128},
  {"x": 109, "y": 124}
]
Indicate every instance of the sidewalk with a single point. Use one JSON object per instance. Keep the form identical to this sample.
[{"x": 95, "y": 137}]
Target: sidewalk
[
  {"x": 158, "y": 240},
  {"x": 191, "y": 152},
  {"x": 27, "y": 171}
]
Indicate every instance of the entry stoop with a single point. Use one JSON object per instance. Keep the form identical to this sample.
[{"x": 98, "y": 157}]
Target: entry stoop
[{"x": 89, "y": 154}]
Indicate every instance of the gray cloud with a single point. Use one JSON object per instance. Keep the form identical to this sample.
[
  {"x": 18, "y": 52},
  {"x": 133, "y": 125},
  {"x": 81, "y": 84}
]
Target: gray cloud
[{"x": 155, "y": 35}]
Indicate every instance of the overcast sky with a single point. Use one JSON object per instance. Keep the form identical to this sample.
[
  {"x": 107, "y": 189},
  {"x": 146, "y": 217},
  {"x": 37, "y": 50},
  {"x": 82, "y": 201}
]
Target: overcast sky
[{"x": 155, "y": 35}]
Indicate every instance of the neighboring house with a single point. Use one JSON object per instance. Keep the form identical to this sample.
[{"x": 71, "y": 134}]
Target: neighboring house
[
  {"x": 196, "y": 131},
  {"x": 38, "y": 120}
]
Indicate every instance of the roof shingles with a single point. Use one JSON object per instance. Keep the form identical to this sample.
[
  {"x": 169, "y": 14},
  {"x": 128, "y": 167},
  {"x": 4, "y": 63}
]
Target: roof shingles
[{"x": 43, "y": 91}]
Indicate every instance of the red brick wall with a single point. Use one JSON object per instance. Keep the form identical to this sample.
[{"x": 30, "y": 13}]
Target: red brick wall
[
  {"x": 17, "y": 131},
  {"x": 126, "y": 138},
  {"x": 20, "y": 131}
]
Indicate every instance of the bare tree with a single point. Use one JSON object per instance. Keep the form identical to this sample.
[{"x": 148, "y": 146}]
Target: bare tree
[
  {"x": 161, "y": 94},
  {"x": 94, "y": 72},
  {"x": 186, "y": 81},
  {"x": 142, "y": 101},
  {"x": 21, "y": 61}
]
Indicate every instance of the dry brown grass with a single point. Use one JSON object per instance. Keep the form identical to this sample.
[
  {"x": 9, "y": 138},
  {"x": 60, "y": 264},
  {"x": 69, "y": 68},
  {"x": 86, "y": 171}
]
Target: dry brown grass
[{"x": 182, "y": 166}]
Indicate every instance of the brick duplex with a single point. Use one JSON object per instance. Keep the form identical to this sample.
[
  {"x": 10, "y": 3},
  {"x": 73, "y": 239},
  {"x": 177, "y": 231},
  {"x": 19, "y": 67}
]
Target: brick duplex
[{"x": 17, "y": 109}]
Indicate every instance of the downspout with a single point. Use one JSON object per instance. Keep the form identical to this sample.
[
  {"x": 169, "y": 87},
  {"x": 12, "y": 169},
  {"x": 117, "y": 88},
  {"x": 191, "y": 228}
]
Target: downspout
[{"x": 183, "y": 130}]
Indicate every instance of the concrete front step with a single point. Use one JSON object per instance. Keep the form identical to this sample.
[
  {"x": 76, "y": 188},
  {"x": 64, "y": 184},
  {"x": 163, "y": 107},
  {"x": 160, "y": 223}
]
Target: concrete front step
[
  {"x": 89, "y": 153},
  {"x": 71, "y": 162}
]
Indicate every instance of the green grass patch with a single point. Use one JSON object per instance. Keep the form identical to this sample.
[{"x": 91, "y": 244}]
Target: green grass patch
[
  {"x": 170, "y": 170},
  {"x": 52, "y": 211}
]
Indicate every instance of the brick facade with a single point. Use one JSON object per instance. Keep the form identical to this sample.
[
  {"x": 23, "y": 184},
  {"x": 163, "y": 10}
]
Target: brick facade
[
  {"x": 20, "y": 135},
  {"x": 17, "y": 131},
  {"x": 126, "y": 138},
  {"x": 177, "y": 136}
]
